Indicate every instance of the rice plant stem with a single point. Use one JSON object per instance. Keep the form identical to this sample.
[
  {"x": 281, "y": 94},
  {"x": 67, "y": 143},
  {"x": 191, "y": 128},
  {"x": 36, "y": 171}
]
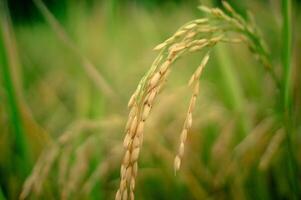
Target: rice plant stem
[
  {"x": 286, "y": 85},
  {"x": 287, "y": 52},
  {"x": 13, "y": 107},
  {"x": 231, "y": 83}
]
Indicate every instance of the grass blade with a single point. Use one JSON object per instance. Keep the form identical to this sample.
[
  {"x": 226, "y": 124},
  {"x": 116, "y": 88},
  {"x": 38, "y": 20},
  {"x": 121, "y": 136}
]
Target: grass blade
[
  {"x": 287, "y": 52},
  {"x": 11, "y": 98}
]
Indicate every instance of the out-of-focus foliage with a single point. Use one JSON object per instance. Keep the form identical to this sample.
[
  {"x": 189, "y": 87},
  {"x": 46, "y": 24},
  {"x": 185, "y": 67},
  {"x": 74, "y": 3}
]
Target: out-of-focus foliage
[{"x": 60, "y": 120}]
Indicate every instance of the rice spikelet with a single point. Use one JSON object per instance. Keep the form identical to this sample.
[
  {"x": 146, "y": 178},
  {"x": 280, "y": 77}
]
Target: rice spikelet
[{"x": 196, "y": 35}]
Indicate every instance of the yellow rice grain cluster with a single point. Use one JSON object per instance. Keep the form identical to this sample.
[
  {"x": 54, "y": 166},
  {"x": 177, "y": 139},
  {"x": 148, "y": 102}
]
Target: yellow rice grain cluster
[
  {"x": 188, "y": 121},
  {"x": 197, "y": 35},
  {"x": 200, "y": 35}
]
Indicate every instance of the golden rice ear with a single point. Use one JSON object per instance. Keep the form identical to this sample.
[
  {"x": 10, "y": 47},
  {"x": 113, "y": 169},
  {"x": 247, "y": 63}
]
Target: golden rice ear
[{"x": 196, "y": 35}]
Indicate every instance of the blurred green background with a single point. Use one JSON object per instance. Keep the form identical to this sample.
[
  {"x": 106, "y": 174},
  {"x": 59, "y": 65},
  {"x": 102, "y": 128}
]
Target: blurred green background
[{"x": 71, "y": 66}]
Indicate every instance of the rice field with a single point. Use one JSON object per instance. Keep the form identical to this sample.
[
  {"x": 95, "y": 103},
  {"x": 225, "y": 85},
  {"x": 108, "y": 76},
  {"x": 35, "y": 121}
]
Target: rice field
[{"x": 150, "y": 100}]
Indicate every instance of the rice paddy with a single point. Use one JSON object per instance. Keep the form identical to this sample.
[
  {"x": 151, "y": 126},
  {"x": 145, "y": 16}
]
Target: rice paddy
[{"x": 150, "y": 100}]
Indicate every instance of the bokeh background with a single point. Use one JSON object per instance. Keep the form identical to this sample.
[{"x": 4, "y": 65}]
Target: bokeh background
[{"x": 69, "y": 67}]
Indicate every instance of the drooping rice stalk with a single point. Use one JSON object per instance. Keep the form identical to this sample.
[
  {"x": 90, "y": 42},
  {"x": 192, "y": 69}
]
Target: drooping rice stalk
[
  {"x": 58, "y": 154},
  {"x": 198, "y": 35}
]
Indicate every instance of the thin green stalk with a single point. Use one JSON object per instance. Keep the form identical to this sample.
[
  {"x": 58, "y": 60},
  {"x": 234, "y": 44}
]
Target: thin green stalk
[
  {"x": 11, "y": 98},
  {"x": 287, "y": 101},
  {"x": 287, "y": 52},
  {"x": 232, "y": 85}
]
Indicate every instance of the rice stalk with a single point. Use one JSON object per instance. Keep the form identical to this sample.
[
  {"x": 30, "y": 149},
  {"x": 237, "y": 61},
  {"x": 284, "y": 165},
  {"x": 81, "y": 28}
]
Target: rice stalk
[
  {"x": 197, "y": 35},
  {"x": 78, "y": 170},
  {"x": 63, "y": 164},
  {"x": 292, "y": 165},
  {"x": 58, "y": 154},
  {"x": 287, "y": 52},
  {"x": 12, "y": 91},
  {"x": 99, "y": 172}
]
